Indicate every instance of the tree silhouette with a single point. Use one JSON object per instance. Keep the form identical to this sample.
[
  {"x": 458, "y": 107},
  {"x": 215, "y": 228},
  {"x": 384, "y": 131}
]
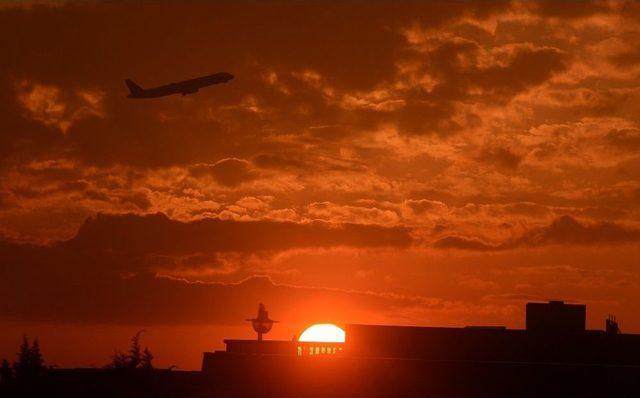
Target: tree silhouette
[
  {"x": 30, "y": 362},
  {"x": 35, "y": 356},
  {"x": 147, "y": 357},
  {"x": 136, "y": 358},
  {"x": 6, "y": 373},
  {"x": 135, "y": 353},
  {"x": 118, "y": 361},
  {"x": 21, "y": 366}
]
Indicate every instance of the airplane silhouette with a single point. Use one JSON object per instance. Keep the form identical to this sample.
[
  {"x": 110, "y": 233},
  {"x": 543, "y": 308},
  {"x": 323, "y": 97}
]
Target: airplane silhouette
[{"x": 184, "y": 87}]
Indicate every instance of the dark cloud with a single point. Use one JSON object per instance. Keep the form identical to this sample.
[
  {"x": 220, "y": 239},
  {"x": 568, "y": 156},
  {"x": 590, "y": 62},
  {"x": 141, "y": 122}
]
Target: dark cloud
[
  {"x": 501, "y": 157},
  {"x": 571, "y": 9},
  {"x": 463, "y": 75},
  {"x": 626, "y": 139},
  {"x": 329, "y": 133},
  {"x": 568, "y": 231},
  {"x": 5, "y": 199},
  {"x": 463, "y": 243},
  {"x": 627, "y": 58},
  {"x": 456, "y": 65},
  {"x": 429, "y": 116},
  {"x": 138, "y": 199},
  {"x": 229, "y": 172},
  {"x": 527, "y": 68},
  {"x": 309, "y": 163},
  {"x": 564, "y": 230},
  {"x": 157, "y": 233},
  {"x": 281, "y": 161},
  {"x": 422, "y": 206},
  {"x": 108, "y": 271},
  {"x": 147, "y": 299},
  {"x": 586, "y": 102}
]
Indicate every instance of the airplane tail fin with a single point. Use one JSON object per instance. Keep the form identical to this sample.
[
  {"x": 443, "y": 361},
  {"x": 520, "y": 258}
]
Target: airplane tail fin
[{"x": 134, "y": 88}]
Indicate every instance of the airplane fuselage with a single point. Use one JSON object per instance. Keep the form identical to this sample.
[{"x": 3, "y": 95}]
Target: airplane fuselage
[{"x": 184, "y": 87}]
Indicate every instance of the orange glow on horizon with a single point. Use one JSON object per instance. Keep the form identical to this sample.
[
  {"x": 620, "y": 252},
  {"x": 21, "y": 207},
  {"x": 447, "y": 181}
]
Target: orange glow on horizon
[{"x": 323, "y": 332}]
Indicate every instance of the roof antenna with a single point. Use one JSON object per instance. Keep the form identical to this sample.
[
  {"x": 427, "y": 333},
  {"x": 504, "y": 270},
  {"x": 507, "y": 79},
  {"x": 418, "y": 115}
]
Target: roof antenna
[
  {"x": 262, "y": 324},
  {"x": 611, "y": 325}
]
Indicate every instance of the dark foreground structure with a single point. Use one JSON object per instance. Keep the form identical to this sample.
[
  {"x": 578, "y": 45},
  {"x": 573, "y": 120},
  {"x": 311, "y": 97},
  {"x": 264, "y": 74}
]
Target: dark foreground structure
[{"x": 555, "y": 356}]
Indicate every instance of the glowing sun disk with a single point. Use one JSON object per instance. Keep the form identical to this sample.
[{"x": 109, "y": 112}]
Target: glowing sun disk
[{"x": 323, "y": 332}]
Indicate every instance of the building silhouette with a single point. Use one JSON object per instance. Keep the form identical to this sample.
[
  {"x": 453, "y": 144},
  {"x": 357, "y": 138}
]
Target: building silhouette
[
  {"x": 555, "y": 333},
  {"x": 555, "y": 355}
]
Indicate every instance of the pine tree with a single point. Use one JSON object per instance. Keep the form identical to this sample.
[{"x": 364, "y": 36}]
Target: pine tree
[
  {"x": 135, "y": 353},
  {"x": 136, "y": 358},
  {"x": 118, "y": 361},
  {"x": 30, "y": 362},
  {"x": 22, "y": 366},
  {"x": 6, "y": 373},
  {"x": 35, "y": 356},
  {"x": 147, "y": 357}
]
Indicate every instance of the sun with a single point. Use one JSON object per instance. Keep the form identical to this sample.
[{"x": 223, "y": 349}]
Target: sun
[{"x": 323, "y": 332}]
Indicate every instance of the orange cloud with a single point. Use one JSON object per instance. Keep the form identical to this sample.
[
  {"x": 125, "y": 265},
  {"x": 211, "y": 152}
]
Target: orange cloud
[{"x": 48, "y": 105}]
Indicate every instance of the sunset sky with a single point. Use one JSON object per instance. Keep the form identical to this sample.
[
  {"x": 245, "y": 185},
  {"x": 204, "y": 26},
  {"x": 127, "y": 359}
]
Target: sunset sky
[{"x": 414, "y": 163}]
